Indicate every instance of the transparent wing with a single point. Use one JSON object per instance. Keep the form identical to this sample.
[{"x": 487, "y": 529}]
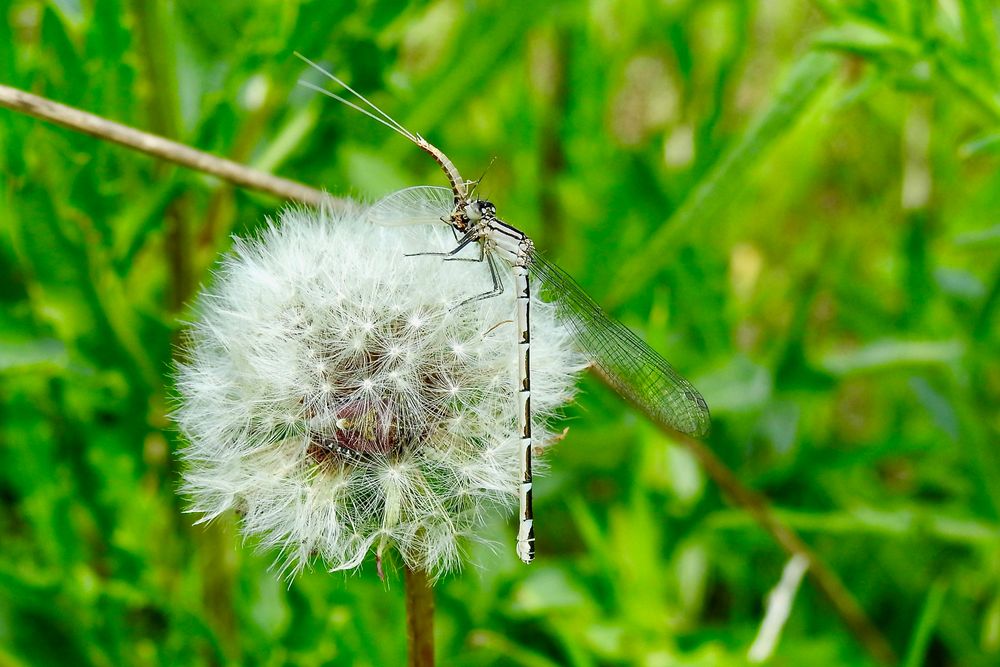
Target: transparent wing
[
  {"x": 421, "y": 204},
  {"x": 633, "y": 368}
]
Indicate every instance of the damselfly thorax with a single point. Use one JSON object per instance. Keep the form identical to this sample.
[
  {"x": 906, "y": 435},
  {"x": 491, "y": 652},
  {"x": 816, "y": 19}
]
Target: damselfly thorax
[
  {"x": 478, "y": 219},
  {"x": 627, "y": 363}
]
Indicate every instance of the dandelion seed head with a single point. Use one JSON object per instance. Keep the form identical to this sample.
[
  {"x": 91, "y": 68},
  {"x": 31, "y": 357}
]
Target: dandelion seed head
[{"x": 335, "y": 396}]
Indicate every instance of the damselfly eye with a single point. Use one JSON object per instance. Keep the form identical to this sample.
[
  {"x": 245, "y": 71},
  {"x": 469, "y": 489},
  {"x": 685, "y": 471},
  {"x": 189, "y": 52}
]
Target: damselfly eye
[{"x": 479, "y": 209}]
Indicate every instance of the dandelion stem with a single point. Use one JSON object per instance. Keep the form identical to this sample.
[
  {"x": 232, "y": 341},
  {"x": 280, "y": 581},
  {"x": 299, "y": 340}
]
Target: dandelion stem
[
  {"x": 419, "y": 618},
  {"x": 419, "y": 598}
]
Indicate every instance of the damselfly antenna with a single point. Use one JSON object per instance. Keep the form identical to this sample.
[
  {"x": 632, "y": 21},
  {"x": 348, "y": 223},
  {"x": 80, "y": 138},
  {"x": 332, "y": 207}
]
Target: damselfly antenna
[
  {"x": 458, "y": 184},
  {"x": 382, "y": 117},
  {"x": 475, "y": 184}
]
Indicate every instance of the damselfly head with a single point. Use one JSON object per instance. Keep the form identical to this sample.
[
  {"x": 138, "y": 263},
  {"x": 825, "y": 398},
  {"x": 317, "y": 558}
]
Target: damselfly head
[{"x": 478, "y": 209}]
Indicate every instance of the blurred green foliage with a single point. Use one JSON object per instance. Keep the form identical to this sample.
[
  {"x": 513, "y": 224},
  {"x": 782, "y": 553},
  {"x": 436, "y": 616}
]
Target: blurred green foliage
[{"x": 796, "y": 202}]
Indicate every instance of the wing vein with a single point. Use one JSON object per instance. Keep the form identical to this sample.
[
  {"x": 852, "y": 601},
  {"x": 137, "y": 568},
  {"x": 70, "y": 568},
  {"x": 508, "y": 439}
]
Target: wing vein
[{"x": 631, "y": 366}]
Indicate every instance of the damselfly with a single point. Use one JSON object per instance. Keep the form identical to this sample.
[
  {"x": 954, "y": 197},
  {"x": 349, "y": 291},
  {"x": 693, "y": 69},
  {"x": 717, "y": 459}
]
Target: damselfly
[{"x": 628, "y": 364}]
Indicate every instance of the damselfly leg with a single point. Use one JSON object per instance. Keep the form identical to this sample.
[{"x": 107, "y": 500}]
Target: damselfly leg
[
  {"x": 498, "y": 287},
  {"x": 470, "y": 237}
]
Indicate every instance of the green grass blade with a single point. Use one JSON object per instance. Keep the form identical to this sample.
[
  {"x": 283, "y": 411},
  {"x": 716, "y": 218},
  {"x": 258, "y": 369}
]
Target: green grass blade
[{"x": 810, "y": 76}]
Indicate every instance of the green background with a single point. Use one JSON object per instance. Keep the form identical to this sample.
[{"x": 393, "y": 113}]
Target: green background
[{"x": 796, "y": 202}]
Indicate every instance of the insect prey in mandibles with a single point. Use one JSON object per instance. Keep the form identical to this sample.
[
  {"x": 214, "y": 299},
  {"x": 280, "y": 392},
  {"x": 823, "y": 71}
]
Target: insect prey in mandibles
[{"x": 628, "y": 364}]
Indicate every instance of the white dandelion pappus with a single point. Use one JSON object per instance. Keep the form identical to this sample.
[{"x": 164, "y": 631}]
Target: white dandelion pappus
[
  {"x": 339, "y": 401},
  {"x": 629, "y": 365}
]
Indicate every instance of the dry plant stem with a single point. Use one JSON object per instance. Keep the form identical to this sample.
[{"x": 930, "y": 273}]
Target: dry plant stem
[
  {"x": 419, "y": 618},
  {"x": 157, "y": 146},
  {"x": 843, "y": 603},
  {"x": 822, "y": 576}
]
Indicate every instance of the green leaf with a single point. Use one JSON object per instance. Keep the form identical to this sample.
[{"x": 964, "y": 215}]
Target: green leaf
[
  {"x": 33, "y": 355},
  {"x": 706, "y": 201},
  {"x": 867, "y": 39},
  {"x": 916, "y": 653},
  {"x": 739, "y": 386},
  {"x": 546, "y": 590},
  {"x": 889, "y": 354}
]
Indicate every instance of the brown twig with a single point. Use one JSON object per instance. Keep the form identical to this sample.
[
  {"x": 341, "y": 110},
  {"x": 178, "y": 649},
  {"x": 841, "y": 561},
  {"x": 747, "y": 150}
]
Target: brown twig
[
  {"x": 157, "y": 146},
  {"x": 822, "y": 576},
  {"x": 419, "y": 618},
  {"x": 419, "y": 597},
  {"x": 757, "y": 507}
]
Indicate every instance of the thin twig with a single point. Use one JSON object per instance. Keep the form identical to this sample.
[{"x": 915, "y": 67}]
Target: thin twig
[
  {"x": 157, "y": 146},
  {"x": 419, "y": 618},
  {"x": 829, "y": 584},
  {"x": 843, "y": 603}
]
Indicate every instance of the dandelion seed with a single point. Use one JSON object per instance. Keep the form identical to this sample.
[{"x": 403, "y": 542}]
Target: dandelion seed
[{"x": 338, "y": 430}]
